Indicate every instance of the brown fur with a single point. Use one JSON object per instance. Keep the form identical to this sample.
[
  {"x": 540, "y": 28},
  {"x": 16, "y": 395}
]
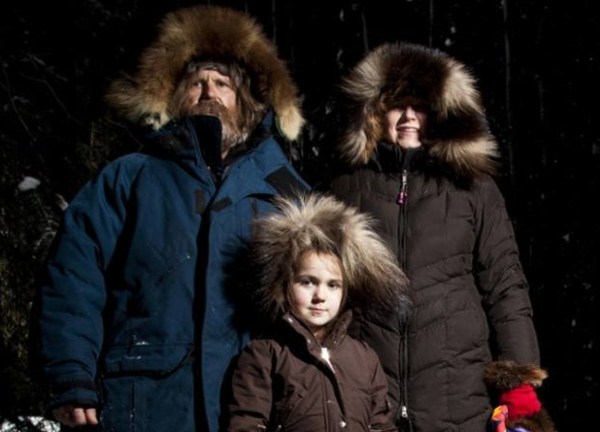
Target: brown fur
[
  {"x": 321, "y": 223},
  {"x": 205, "y": 32},
  {"x": 458, "y": 133},
  {"x": 505, "y": 375}
]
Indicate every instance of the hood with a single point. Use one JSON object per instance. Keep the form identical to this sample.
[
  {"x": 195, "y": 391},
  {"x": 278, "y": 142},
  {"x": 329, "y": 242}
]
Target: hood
[
  {"x": 373, "y": 281},
  {"x": 205, "y": 32},
  {"x": 457, "y": 133}
]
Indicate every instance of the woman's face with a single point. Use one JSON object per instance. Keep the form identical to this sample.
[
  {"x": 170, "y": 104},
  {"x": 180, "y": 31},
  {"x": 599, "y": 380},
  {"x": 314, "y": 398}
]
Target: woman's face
[{"x": 405, "y": 126}]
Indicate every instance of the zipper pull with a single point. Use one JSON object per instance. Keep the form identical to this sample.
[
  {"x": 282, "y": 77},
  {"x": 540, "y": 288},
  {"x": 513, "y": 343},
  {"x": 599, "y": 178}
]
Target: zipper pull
[
  {"x": 403, "y": 194},
  {"x": 404, "y": 412}
]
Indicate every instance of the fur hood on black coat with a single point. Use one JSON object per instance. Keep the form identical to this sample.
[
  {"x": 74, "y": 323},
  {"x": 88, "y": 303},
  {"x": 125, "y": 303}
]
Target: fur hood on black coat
[
  {"x": 205, "y": 32},
  {"x": 372, "y": 278},
  {"x": 457, "y": 134}
]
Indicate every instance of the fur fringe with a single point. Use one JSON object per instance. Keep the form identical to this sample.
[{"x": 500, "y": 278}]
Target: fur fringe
[
  {"x": 205, "y": 32},
  {"x": 320, "y": 222},
  {"x": 458, "y": 127}
]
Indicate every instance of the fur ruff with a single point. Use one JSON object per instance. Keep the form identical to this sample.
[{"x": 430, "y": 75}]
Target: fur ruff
[
  {"x": 458, "y": 130},
  {"x": 505, "y": 375},
  {"x": 208, "y": 32},
  {"x": 373, "y": 279}
]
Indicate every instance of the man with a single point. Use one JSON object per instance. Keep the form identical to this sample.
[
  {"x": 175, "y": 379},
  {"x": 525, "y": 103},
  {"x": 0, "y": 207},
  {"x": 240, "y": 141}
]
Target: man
[{"x": 135, "y": 321}]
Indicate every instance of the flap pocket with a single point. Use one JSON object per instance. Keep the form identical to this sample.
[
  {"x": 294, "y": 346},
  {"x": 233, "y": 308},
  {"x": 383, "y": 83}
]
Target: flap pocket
[{"x": 145, "y": 358}]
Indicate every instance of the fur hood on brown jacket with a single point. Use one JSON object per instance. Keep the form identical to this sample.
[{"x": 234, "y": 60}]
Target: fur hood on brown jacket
[
  {"x": 392, "y": 74},
  {"x": 205, "y": 33},
  {"x": 320, "y": 223}
]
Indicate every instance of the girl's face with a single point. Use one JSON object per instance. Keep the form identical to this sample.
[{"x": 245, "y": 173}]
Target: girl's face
[
  {"x": 405, "y": 126},
  {"x": 317, "y": 290}
]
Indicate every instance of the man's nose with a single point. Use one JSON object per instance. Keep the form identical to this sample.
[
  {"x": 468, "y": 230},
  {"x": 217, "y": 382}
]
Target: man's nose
[{"x": 208, "y": 90}]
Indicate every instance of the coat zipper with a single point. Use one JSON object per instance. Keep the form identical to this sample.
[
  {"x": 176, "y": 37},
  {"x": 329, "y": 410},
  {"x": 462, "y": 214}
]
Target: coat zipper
[
  {"x": 403, "y": 193},
  {"x": 402, "y": 201}
]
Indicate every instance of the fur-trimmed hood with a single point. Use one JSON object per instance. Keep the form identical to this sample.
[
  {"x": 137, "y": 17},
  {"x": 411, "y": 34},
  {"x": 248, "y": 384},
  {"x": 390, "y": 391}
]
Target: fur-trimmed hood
[
  {"x": 373, "y": 280},
  {"x": 205, "y": 32},
  {"x": 457, "y": 133}
]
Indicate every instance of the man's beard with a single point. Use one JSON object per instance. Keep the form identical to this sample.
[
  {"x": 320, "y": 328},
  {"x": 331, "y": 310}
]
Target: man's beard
[{"x": 232, "y": 134}]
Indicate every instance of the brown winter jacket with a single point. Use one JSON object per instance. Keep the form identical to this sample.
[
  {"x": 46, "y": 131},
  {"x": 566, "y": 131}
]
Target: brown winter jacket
[
  {"x": 451, "y": 233},
  {"x": 282, "y": 383}
]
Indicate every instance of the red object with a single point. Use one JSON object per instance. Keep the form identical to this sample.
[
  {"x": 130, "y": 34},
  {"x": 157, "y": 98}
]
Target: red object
[{"x": 521, "y": 401}]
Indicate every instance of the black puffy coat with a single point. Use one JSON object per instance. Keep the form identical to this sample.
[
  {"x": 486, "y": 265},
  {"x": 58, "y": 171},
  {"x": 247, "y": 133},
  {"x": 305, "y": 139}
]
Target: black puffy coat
[{"x": 471, "y": 305}]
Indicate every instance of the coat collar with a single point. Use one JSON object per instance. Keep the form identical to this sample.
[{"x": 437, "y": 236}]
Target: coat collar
[{"x": 337, "y": 330}]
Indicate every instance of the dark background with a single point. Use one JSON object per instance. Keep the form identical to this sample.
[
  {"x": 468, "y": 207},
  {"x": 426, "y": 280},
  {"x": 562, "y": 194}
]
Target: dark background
[{"x": 538, "y": 69}]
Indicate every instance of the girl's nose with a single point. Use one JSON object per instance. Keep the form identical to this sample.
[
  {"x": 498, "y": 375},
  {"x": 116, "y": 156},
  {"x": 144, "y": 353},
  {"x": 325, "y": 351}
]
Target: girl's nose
[{"x": 319, "y": 295}]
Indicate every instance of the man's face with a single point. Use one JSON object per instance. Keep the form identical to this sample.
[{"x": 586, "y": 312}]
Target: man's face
[{"x": 208, "y": 92}]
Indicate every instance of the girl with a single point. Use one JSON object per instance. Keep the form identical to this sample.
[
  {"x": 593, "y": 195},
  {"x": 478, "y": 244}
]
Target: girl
[{"x": 319, "y": 261}]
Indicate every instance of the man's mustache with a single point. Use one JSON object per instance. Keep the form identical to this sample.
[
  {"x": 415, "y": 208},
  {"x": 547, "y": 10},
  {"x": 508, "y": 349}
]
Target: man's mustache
[{"x": 210, "y": 107}]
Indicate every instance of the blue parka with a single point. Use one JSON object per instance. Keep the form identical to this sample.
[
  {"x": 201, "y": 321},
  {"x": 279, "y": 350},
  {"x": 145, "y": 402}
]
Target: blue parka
[{"x": 136, "y": 313}]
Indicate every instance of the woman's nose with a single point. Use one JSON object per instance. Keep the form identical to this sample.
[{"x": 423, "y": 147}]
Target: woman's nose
[{"x": 409, "y": 112}]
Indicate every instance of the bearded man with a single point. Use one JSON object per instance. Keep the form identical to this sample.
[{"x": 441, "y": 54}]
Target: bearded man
[{"x": 134, "y": 323}]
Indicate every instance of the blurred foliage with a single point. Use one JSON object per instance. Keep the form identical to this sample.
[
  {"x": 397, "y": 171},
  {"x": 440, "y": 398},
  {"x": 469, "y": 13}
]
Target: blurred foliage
[{"x": 47, "y": 106}]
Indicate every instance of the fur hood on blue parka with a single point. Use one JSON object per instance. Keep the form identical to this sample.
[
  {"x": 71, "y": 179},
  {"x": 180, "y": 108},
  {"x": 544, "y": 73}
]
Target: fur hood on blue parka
[{"x": 205, "y": 32}]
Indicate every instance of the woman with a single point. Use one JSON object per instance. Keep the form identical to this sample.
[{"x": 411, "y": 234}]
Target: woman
[{"x": 415, "y": 152}]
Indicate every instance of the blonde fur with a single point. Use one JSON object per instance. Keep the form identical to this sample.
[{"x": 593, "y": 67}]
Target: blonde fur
[{"x": 320, "y": 223}]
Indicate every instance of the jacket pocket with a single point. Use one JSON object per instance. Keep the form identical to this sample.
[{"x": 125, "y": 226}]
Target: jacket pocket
[
  {"x": 142, "y": 358},
  {"x": 287, "y": 407},
  {"x": 138, "y": 403}
]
